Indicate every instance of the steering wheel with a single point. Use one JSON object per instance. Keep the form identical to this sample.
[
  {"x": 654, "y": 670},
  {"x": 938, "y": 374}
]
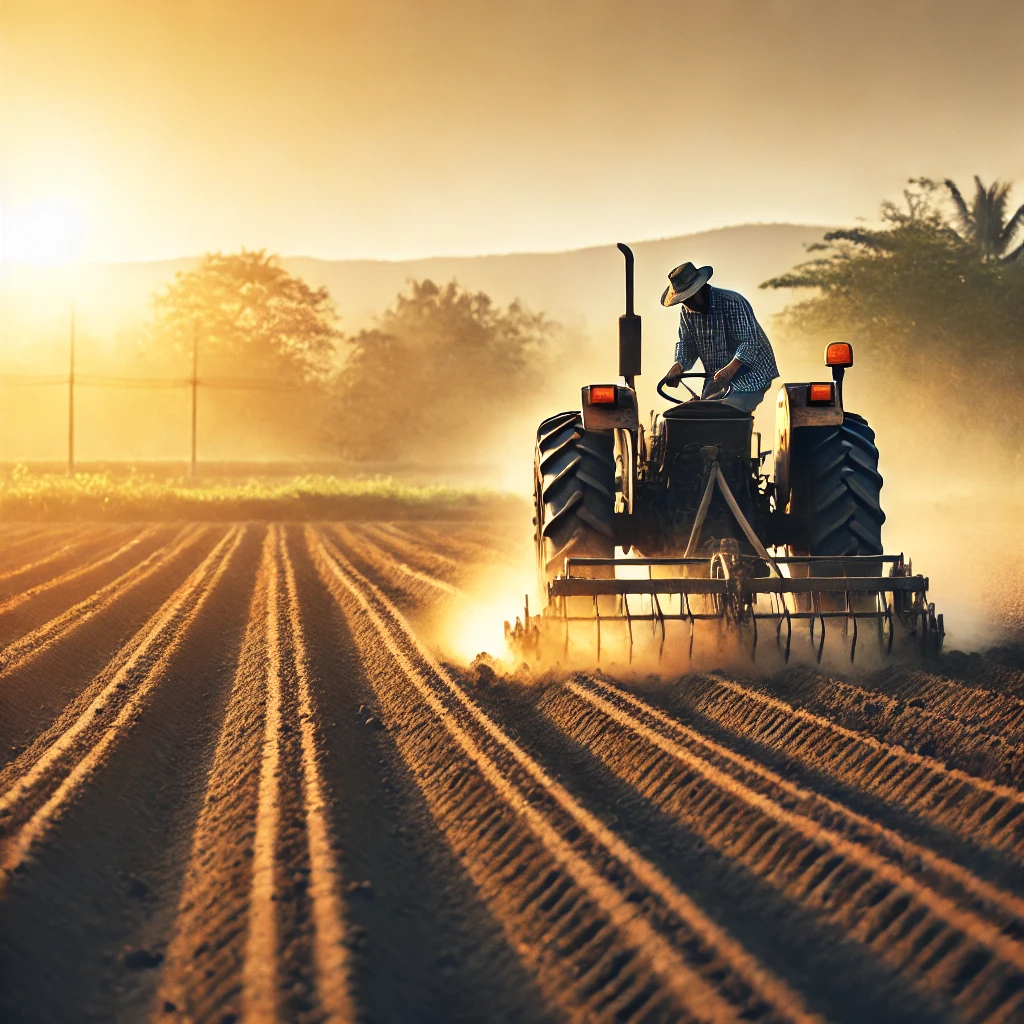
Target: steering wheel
[{"x": 678, "y": 401}]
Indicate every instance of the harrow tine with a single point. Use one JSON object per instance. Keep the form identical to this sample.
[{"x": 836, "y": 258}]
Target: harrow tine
[
  {"x": 817, "y": 612},
  {"x": 920, "y": 610},
  {"x": 629, "y": 625},
  {"x": 597, "y": 619},
  {"x": 690, "y": 619},
  {"x": 853, "y": 616},
  {"x": 885, "y": 627},
  {"x": 789, "y": 631},
  {"x": 654, "y": 620},
  {"x": 753, "y": 620},
  {"x": 661, "y": 618}
]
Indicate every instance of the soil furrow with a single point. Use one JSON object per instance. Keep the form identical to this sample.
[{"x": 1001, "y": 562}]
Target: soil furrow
[
  {"x": 79, "y": 571},
  {"x": 36, "y": 695},
  {"x": 459, "y": 545},
  {"x": 37, "y": 785},
  {"x": 329, "y": 931},
  {"x": 41, "y": 546},
  {"x": 422, "y": 943},
  {"x": 978, "y": 811},
  {"x": 705, "y": 788},
  {"x": 16, "y": 655},
  {"x": 260, "y": 969},
  {"x": 262, "y": 934},
  {"x": 201, "y": 978},
  {"x": 395, "y": 562},
  {"x": 11, "y": 533},
  {"x": 991, "y": 701},
  {"x": 986, "y": 743},
  {"x": 48, "y": 602},
  {"x": 410, "y": 588},
  {"x": 83, "y": 923},
  {"x": 633, "y": 946},
  {"x": 419, "y": 554}
]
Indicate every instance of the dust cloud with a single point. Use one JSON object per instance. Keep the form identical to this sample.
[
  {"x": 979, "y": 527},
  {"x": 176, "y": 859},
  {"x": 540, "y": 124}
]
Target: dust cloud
[
  {"x": 953, "y": 500},
  {"x": 950, "y": 455}
]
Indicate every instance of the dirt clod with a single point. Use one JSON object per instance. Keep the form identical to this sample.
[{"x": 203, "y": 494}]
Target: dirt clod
[
  {"x": 363, "y": 888},
  {"x": 137, "y": 889},
  {"x": 142, "y": 959}
]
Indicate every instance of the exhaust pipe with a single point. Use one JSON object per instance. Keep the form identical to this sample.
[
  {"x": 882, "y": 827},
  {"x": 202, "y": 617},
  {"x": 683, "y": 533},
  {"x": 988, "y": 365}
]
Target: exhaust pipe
[{"x": 629, "y": 327}]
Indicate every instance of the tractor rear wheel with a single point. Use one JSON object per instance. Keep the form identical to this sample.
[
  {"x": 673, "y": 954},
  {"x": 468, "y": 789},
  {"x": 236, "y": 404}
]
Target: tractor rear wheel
[
  {"x": 837, "y": 491},
  {"x": 845, "y": 514},
  {"x": 574, "y": 494}
]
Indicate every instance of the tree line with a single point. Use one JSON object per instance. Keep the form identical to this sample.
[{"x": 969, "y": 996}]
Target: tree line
[
  {"x": 435, "y": 377},
  {"x": 940, "y": 280},
  {"x": 934, "y": 299},
  {"x": 934, "y": 294}
]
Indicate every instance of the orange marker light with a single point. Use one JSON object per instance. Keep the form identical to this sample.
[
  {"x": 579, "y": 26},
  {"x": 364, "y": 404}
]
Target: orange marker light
[
  {"x": 839, "y": 353},
  {"x": 603, "y": 395},
  {"x": 820, "y": 393}
]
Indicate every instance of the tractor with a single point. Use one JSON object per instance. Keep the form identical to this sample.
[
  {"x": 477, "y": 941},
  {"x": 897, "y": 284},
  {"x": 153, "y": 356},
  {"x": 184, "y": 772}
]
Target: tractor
[{"x": 702, "y": 531}]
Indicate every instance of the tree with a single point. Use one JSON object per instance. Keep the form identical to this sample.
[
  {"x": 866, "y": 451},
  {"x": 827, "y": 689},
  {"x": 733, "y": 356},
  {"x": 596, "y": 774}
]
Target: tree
[
  {"x": 983, "y": 224},
  {"x": 438, "y": 376},
  {"x": 923, "y": 307},
  {"x": 913, "y": 288},
  {"x": 251, "y": 317}
]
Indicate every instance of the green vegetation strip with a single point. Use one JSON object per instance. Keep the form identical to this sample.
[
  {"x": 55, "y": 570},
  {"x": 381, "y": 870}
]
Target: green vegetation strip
[{"x": 98, "y": 496}]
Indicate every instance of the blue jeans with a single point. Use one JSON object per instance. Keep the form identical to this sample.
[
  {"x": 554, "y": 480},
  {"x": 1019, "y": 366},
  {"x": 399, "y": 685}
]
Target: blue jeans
[{"x": 745, "y": 401}]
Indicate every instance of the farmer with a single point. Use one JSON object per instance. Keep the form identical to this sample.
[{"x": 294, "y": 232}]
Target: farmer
[{"x": 719, "y": 328}]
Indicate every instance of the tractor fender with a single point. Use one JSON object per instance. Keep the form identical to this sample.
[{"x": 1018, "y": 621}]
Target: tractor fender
[
  {"x": 618, "y": 415},
  {"x": 793, "y": 412}
]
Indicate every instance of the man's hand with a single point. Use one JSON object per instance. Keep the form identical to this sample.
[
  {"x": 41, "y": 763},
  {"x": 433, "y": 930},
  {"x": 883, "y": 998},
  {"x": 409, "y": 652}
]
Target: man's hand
[
  {"x": 674, "y": 375},
  {"x": 726, "y": 374}
]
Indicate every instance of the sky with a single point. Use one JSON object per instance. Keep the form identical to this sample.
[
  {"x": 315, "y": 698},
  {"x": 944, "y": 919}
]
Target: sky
[{"x": 146, "y": 129}]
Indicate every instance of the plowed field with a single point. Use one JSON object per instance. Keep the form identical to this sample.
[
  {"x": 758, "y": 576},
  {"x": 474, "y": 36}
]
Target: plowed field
[{"x": 244, "y": 779}]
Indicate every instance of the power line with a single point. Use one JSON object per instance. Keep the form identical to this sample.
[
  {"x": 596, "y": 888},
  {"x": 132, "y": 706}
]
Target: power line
[
  {"x": 30, "y": 380},
  {"x": 96, "y": 381},
  {"x": 103, "y": 381},
  {"x": 73, "y": 379}
]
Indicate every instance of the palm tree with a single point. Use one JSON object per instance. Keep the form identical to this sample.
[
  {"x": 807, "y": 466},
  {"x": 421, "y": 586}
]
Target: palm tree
[{"x": 983, "y": 224}]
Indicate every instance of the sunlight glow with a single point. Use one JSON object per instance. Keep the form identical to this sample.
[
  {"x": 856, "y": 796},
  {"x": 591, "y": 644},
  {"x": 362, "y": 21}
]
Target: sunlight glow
[
  {"x": 46, "y": 233},
  {"x": 475, "y": 624}
]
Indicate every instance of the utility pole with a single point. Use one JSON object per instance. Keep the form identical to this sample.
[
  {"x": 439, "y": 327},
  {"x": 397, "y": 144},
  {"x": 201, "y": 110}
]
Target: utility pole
[
  {"x": 71, "y": 399},
  {"x": 195, "y": 395}
]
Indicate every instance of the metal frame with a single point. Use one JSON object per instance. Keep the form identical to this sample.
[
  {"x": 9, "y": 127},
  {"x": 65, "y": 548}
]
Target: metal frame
[{"x": 899, "y": 596}]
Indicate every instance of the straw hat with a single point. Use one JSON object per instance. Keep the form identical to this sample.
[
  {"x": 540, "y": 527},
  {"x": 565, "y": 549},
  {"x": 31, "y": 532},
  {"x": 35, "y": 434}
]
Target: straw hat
[{"x": 684, "y": 281}]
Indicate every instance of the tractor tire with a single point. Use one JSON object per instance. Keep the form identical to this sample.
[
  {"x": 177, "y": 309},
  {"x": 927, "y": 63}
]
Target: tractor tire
[
  {"x": 845, "y": 514},
  {"x": 574, "y": 494},
  {"x": 837, "y": 491}
]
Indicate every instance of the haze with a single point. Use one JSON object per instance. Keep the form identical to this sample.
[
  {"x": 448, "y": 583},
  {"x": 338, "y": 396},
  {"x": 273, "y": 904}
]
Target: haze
[{"x": 398, "y": 128}]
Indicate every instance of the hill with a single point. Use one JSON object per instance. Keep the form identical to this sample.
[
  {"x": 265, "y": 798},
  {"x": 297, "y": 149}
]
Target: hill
[
  {"x": 581, "y": 288},
  {"x": 581, "y": 285}
]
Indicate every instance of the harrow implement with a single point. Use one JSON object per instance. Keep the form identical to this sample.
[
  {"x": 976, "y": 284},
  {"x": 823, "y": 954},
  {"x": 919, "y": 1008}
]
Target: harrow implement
[{"x": 724, "y": 588}]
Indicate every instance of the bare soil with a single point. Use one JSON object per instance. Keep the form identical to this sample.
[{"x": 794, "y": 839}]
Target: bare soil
[{"x": 246, "y": 779}]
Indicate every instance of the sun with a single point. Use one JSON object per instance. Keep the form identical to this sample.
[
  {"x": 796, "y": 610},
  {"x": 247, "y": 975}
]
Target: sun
[{"x": 45, "y": 233}]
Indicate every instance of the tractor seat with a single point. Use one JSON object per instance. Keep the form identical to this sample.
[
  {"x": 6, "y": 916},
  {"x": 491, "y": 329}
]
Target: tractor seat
[{"x": 705, "y": 410}]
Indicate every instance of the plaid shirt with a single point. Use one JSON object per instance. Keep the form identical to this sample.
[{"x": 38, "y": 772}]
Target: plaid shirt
[{"x": 727, "y": 330}]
